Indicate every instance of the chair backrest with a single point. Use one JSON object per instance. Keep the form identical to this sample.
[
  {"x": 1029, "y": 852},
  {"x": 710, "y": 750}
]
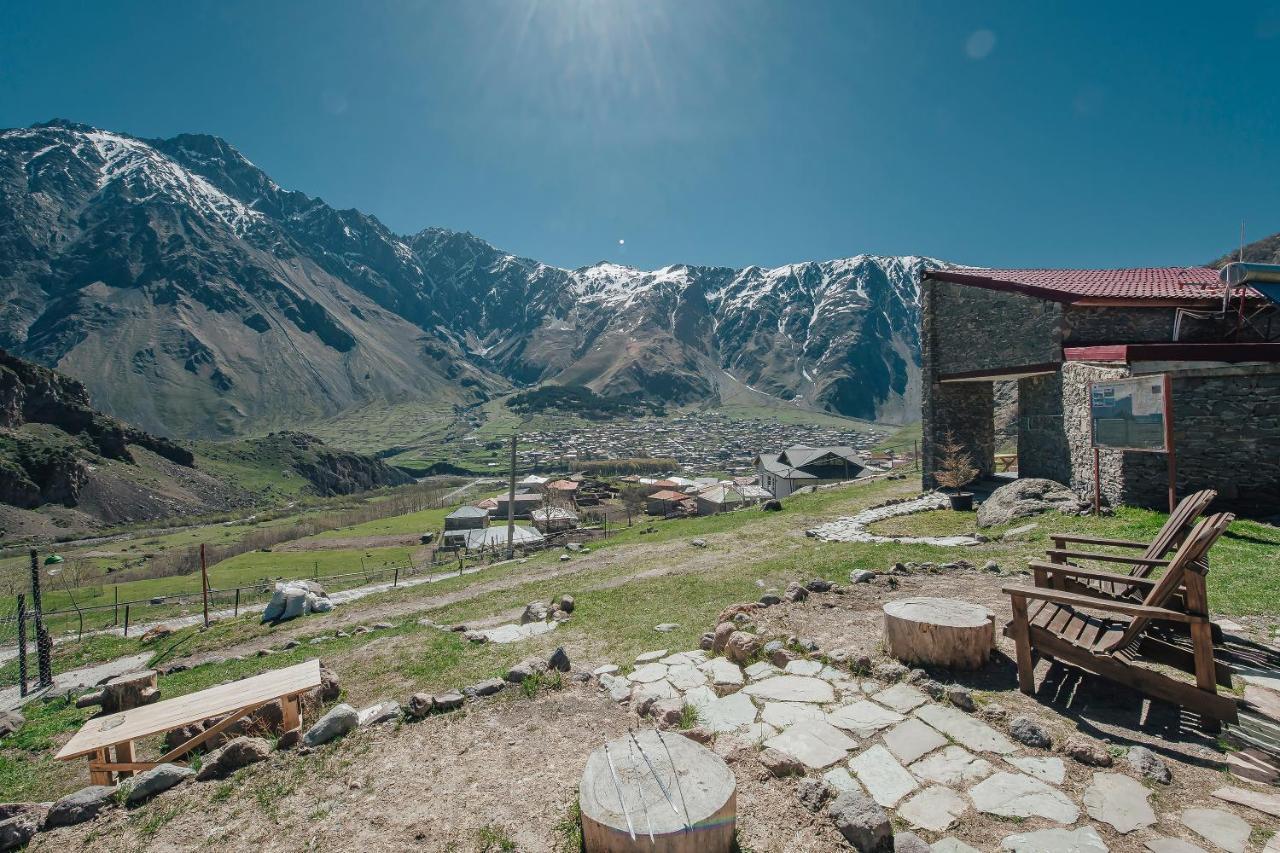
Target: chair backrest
[
  {"x": 1174, "y": 529},
  {"x": 1192, "y": 556}
]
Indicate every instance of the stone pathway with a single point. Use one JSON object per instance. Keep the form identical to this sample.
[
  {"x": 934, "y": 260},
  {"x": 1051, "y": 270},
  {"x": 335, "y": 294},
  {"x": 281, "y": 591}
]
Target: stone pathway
[
  {"x": 929, "y": 763},
  {"x": 854, "y": 528}
]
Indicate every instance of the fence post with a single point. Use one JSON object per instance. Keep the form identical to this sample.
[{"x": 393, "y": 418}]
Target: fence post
[
  {"x": 22, "y": 644},
  {"x": 44, "y": 647},
  {"x": 115, "y": 617},
  {"x": 80, "y": 633},
  {"x": 126, "y": 620},
  {"x": 237, "y": 610},
  {"x": 396, "y": 580}
]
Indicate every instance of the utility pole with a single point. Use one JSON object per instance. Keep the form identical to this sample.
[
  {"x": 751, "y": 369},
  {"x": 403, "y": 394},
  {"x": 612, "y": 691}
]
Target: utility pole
[
  {"x": 511, "y": 503},
  {"x": 204, "y": 585}
]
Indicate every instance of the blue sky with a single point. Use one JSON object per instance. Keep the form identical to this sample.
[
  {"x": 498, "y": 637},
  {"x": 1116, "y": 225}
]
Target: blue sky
[{"x": 1006, "y": 134}]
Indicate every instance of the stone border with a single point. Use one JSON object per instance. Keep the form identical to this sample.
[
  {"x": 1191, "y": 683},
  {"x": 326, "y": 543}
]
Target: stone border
[{"x": 854, "y": 528}]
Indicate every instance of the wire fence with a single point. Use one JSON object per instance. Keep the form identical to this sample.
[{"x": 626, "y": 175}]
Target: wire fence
[{"x": 19, "y": 650}]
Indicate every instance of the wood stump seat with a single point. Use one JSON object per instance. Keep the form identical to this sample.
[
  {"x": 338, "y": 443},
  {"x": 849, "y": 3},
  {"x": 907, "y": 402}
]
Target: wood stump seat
[{"x": 942, "y": 632}]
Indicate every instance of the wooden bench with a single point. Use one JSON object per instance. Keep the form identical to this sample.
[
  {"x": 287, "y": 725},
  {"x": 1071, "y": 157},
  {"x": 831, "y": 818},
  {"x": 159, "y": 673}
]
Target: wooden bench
[{"x": 108, "y": 741}]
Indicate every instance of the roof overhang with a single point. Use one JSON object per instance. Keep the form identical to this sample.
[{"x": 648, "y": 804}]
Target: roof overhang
[
  {"x": 1001, "y": 373},
  {"x": 1219, "y": 352}
]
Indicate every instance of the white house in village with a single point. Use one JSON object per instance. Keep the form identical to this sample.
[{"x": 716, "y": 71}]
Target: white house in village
[{"x": 798, "y": 465}]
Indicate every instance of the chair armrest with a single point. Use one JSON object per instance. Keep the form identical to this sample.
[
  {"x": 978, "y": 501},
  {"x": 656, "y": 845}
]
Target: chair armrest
[
  {"x": 1112, "y": 606},
  {"x": 1092, "y": 574},
  {"x": 1060, "y": 538},
  {"x": 1105, "y": 558}
]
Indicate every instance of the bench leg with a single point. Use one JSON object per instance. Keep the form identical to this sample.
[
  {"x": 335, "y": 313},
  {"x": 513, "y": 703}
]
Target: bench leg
[
  {"x": 124, "y": 755},
  {"x": 99, "y": 777},
  {"x": 1022, "y": 643},
  {"x": 291, "y": 713}
]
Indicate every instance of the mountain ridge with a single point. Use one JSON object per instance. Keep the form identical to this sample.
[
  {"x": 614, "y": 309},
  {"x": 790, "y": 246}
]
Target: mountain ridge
[{"x": 197, "y": 297}]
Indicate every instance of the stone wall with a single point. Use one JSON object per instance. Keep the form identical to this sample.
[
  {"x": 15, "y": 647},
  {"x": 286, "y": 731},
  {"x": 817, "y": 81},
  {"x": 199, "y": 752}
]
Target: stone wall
[
  {"x": 1077, "y": 433},
  {"x": 1226, "y": 433},
  {"x": 981, "y": 329}
]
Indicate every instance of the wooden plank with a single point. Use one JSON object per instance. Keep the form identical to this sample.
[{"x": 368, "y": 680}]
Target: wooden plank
[
  {"x": 1096, "y": 574},
  {"x": 109, "y": 766},
  {"x": 1056, "y": 554},
  {"x": 1022, "y": 645},
  {"x": 170, "y": 714},
  {"x": 1126, "y": 607},
  {"x": 99, "y": 777},
  {"x": 1060, "y": 540}
]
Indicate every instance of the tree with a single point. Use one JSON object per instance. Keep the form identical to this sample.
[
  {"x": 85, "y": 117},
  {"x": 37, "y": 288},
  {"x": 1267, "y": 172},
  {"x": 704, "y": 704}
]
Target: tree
[
  {"x": 955, "y": 467},
  {"x": 633, "y": 497}
]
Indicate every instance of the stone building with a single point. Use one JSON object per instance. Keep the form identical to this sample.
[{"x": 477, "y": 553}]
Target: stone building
[{"x": 1053, "y": 332}]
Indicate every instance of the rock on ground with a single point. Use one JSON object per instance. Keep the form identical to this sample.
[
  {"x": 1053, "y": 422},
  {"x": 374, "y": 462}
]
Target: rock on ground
[
  {"x": 20, "y": 826},
  {"x": 162, "y": 777},
  {"x": 224, "y": 761},
  {"x": 1028, "y": 497},
  {"x": 85, "y": 804},
  {"x": 1027, "y": 731},
  {"x": 779, "y": 763},
  {"x": 1149, "y": 764},
  {"x": 1087, "y": 752},
  {"x": 862, "y": 822},
  {"x": 340, "y": 720}
]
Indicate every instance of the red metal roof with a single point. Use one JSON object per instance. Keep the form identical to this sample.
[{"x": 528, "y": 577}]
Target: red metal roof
[{"x": 1161, "y": 284}]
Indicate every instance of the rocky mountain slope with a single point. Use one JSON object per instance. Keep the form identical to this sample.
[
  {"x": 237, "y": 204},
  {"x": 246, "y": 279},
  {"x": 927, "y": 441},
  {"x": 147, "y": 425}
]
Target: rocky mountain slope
[
  {"x": 65, "y": 464},
  {"x": 196, "y": 297}
]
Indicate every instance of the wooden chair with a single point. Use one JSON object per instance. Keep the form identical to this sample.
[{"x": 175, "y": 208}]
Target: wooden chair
[
  {"x": 1115, "y": 645},
  {"x": 1155, "y": 553}
]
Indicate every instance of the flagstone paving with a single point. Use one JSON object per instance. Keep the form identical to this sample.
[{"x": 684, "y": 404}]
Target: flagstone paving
[
  {"x": 761, "y": 669},
  {"x": 976, "y": 735},
  {"x": 936, "y": 808},
  {"x": 841, "y": 780},
  {"x": 885, "y": 779},
  {"x": 1120, "y": 801},
  {"x": 1219, "y": 828},
  {"x": 783, "y": 714},
  {"x": 1017, "y": 795},
  {"x": 1050, "y": 770},
  {"x": 815, "y": 743},
  {"x": 902, "y": 698},
  {"x": 952, "y": 766},
  {"x": 931, "y": 763},
  {"x": 912, "y": 739},
  {"x": 803, "y": 667},
  {"x": 686, "y": 676},
  {"x": 792, "y": 688},
  {"x": 864, "y": 718},
  {"x": 1265, "y": 803},
  {"x": 1082, "y": 840},
  {"x": 723, "y": 673},
  {"x": 727, "y": 713},
  {"x": 1173, "y": 845}
]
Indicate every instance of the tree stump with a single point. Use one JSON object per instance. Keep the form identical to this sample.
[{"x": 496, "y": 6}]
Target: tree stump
[
  {"x": 939, "y": 632},
  {"x": 684, "y": 794},
  {"x": 133, "y": 690}
]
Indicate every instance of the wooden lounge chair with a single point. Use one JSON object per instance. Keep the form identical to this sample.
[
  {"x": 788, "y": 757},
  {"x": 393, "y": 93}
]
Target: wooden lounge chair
[
  {"x": 1059, "y": 624},
  {"x": 1154, "y": 554}
]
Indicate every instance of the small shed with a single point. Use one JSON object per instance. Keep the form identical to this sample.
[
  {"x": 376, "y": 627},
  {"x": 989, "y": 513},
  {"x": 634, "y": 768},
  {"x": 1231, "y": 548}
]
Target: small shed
[
  {"x": 553, "y": 519},
  {"x": 664, "y": 502},
  {"x": 524, "y": 504},
  {"x": 467, "y": 518}
]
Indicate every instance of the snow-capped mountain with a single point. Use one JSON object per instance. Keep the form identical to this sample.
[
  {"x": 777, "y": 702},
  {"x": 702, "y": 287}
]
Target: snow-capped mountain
[{"x": 195, "y": 296}]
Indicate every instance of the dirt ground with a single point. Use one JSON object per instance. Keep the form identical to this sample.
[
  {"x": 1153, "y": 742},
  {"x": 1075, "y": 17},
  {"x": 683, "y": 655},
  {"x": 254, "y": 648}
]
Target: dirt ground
[{"x": 508, "y": 767}]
